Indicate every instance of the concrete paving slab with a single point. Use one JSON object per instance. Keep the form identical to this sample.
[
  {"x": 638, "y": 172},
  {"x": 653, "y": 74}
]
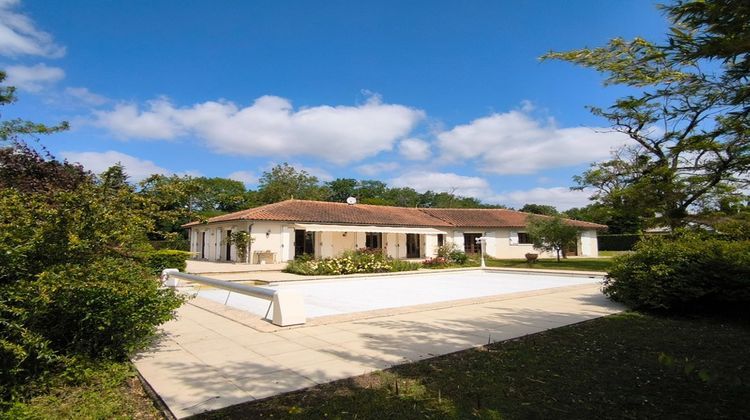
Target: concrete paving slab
[{"x": 205, "y": 361}]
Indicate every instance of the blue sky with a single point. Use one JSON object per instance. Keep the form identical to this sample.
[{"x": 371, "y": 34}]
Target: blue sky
[{"x": 448, "y": 96}]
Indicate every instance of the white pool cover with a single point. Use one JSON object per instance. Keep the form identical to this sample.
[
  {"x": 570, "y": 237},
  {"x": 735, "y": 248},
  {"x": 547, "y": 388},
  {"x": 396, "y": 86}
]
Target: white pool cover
[{"x": 342, "y": 296}]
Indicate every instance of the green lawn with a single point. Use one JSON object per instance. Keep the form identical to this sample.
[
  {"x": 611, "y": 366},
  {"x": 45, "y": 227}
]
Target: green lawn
[
  {"x": 582, "y": 264},
  {"x": 627, "y": 366}
]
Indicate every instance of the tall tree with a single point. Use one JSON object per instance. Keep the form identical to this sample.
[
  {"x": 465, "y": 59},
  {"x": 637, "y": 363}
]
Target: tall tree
[
  {"x": 539, "y": 209},
  {"x": 689, "y": 125},
  {"x": 341, "y": 188},
  {"x": 283, "y": 182}
]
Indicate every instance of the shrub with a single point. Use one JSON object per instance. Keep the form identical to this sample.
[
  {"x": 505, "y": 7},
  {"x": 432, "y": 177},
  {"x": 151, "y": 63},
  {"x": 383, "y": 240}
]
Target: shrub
[
  {"x": 350, "y": 262},
  {"x": 435, "y": 262},
  {"x": 691, "y": 271},
  {"x": 160, "y": 259},
  {"x": 458, "y": 257},
  {"x": 106, "y": 309}
]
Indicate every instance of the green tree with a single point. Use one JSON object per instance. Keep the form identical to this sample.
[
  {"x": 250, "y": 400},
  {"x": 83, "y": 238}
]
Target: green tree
[
  {"x": 689, "y": 125},
  {"x": 539, "y": 209},
  {"x": 283, "y": 182},
  {"x": 73, "y": 283},
  {"x": 551, "y": 234},
  {"x": 340, "y": 189}
]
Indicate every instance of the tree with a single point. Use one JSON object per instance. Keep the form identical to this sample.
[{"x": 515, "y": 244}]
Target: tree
[
  {"x": 539, "y": 209},
  {"x": 283, "y": 182},
  {"x": 551, "y": 234},
  {"x": 74, "y": 284},
  {"x": 340, "y": 189},
  {"x": 689, "y": 125}
]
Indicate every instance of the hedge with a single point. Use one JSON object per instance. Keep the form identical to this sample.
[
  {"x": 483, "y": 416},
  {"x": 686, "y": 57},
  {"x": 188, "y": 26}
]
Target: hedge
[
  {"x": 622, "y": 242},
  {"x": 687, "y": 272},
  {"x": 166, "y": 258}
]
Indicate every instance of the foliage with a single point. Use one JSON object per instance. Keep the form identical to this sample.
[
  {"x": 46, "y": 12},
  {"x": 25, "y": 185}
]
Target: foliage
[
  {"x": 457, "y": 256},
  {"x": 241, "y": 240},
  {"x": 551, "y": 234},
  {"x": 446, "y": 255},
  {"x": 622, "y": 242},
  {"x": 161, "y": 259},
  {"x": 89, "y": 390},
  {"x": 436, "y": 262},
  {"x": 735, "y": 228},
  {"x": 539, "y": 209},
  {"x": 283, "y": 182},
  {"x": 106, "y": 309},
  {"x": 689, "y": 272},
  {"x": 72, "y": 280},
  {"x": 689, "y": 126},
  {"x": 350, "y": 262},
  {"x": 618, "y": 219}
]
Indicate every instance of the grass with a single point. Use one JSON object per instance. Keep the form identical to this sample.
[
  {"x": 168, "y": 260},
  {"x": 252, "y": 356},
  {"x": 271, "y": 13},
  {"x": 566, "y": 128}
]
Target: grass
[
  {"x": 581, "y": 264},
  {"x": 613, "y": 253},
  {"x": 630, "y": 365},
  {"x": 110, "y": 391}
]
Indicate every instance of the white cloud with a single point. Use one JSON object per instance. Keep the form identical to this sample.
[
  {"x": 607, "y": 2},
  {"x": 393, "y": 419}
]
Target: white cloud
[
  {"x": 98, "y": 162},
  {"x": 468, "y": 186},
  {"x": 372, "y": 169},
  {"x": 86, "y": 96},
  {"x": 271, "y": 127},
  {"x": 414, "y": 149},
  {"x": 515, "y": 143},
  {"x": 246, "y": 177},
  {"x": 561, "y": 197},
  {"x": 20, "y": 36},
  {"x": 127, "y": 121},
  {"x": 33, "y": 78}
]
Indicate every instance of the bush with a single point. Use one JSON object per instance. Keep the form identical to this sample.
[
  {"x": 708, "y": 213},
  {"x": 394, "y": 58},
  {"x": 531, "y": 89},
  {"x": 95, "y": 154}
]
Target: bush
[
  {"x": 620, "y": 242},
  {"x": 160, "y": 259},
  {"x": 458, "y": 257},
  {"x": 691, "y": 271},
  {"x": 350, "y": 262},
  {"x": 106, "y": 309}
]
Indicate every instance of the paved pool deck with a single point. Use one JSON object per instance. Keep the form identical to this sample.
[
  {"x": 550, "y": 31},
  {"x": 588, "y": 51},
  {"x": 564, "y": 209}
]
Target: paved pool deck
[{"x": 205, "y": 361}]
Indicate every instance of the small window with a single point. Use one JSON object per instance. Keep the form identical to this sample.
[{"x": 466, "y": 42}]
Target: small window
[
  {"x": 441, "y": 239},
  {"x": 373, "y": 240},
  {"x": 524, "y": 238}
]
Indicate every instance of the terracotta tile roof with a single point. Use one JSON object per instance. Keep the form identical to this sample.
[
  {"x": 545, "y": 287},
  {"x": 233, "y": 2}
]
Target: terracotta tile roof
[
  {"x": 339, "y": 213},
  {"x": 364, "y": 214},
  {"x": 492, "y": 218}
]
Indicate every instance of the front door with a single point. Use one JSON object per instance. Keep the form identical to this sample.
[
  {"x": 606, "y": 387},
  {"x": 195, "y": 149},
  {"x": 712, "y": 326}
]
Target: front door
[
  {"x": 304, "y": 242},
  {"x": 470, "y": 243},
  {"x": 412, "y": 245},
  {"x": 229, "y": 245},
  {"x": 203, "y": 245}
]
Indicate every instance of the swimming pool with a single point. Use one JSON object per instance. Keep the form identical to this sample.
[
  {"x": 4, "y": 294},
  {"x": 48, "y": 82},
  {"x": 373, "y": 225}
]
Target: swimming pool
[{"x": 349, "y": 295}]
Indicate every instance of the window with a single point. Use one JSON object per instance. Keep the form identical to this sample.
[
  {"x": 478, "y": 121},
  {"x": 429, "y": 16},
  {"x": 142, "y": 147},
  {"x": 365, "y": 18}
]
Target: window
[
  {"x": 441, "y": 239},
  {"x": 524, "y": 238},
  {"x": 470, "y": 243},
  {"x": 373, "y": 240}
]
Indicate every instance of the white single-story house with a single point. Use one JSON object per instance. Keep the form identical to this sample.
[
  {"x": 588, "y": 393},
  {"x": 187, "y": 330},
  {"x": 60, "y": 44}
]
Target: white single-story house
[{"x": 286, "y": 229}]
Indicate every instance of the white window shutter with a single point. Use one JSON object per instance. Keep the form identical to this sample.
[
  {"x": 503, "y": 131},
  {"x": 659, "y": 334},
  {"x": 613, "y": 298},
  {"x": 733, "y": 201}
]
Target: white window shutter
[{"x": 513, "y": 237}]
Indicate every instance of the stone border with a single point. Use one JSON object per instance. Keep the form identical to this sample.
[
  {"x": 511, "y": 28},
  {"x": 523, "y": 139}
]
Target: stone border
[{"x": 262, "y": 325}]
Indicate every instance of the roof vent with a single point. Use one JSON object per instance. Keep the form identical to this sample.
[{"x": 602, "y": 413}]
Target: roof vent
[{"x": 351, "y": 201}]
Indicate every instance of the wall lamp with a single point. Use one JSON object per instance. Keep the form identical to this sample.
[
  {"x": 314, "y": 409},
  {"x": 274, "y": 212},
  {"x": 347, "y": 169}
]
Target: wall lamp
[{"x": 268, "y": 233}]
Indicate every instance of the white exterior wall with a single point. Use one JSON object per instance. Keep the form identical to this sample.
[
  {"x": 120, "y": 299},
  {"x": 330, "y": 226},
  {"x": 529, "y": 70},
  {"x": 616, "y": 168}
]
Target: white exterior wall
[
  {"x": 391, "y": 244},
  {"x": 501, "y": 243},
  {"x": 340, "y": 242},
  {"x": 430, "y": 245},
  {"x": 457, "y": 238},
  {"x": 588, "y": 245}
]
